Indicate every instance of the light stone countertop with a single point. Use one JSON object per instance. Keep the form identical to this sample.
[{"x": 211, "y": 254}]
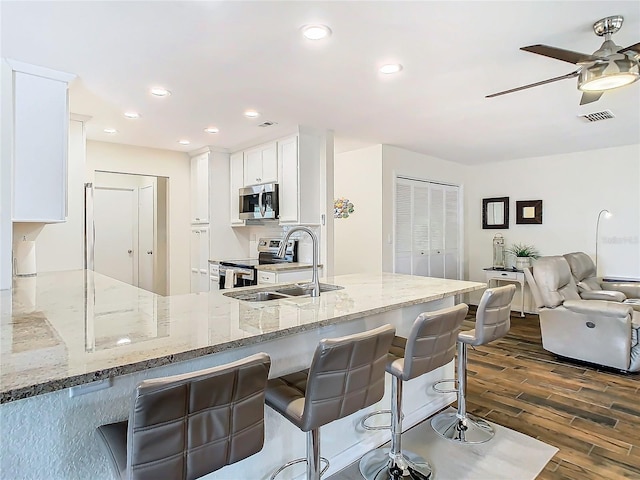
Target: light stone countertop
[{"x": 63, "y": 329}]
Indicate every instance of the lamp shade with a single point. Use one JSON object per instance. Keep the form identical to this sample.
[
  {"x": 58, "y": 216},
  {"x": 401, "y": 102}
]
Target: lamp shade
[{"x": 608, "y": 75}]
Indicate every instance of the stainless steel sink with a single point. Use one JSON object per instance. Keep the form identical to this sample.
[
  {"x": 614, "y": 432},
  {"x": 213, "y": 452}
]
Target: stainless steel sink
[{"x": 284, "y": 291}]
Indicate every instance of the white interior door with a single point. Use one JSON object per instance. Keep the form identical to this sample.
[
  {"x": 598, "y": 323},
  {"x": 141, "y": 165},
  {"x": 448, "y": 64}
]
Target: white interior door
[
  {"x": 146, "y": 236},
  {"x": 115, "y": 212}
]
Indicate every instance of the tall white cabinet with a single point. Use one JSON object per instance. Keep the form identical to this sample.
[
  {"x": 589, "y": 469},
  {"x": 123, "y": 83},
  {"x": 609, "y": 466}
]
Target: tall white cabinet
[
  {"x": 427, "y": 229},
  {"x": 200, "y": 219},
  {"x": 200, "y": 188}
]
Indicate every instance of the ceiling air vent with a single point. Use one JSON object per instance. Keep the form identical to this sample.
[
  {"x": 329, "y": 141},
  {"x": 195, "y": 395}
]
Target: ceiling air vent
[
  {"x": 267, "y": 124},
  {"x": 597, "y": 116}
]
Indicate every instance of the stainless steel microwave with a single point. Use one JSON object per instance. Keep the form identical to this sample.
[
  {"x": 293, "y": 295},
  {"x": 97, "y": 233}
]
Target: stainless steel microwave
[{"x": 259, "y": 202}]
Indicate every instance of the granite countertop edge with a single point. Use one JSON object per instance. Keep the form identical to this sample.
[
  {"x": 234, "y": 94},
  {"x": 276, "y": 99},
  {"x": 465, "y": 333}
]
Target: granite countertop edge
[{"x": 22, "y": 392}]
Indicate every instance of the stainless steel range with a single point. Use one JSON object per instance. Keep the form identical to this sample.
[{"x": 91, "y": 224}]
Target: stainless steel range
[{"x": 242, "y": 273}]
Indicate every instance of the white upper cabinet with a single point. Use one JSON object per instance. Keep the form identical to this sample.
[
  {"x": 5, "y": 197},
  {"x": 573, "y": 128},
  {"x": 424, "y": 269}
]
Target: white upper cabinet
[
  {"x": 261, "y": 164},
  {"x": 200, "y": 188},
  {"x": 296, "y": 164},
  {"x": 40, "y": 136},
  {"x": 236, "y": 182},
  {"x": 288, "y": 180}
]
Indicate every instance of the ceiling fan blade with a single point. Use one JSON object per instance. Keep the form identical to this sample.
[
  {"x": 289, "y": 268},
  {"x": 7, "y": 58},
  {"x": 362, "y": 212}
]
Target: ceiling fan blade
[
  {"x": 560, "y": 54},
  {"x": 632, "y": 48},
  {"x": 543, "y": 82},
  {"x": 588, "y": 97}
]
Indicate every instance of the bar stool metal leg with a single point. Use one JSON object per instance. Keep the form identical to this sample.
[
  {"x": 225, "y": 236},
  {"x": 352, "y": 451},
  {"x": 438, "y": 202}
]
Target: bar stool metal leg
[
  {"x": 313, "y": 459},
  {"x": 460, "y": 426},
  {"x": 393, "y": 463}
]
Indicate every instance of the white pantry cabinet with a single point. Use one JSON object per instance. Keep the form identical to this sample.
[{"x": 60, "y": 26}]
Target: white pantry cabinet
[
  {"x": 40, "y": 143},
  {"x": 199, "y": 259},
  {"x": 261, "y": 164},
  {"x": 200, "y": 188}
]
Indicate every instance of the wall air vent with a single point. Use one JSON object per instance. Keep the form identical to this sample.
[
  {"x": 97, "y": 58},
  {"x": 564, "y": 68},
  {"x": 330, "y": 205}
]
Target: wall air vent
[
  {"x": 267, "y": 124},
  {"x": 597, "y": 116}
]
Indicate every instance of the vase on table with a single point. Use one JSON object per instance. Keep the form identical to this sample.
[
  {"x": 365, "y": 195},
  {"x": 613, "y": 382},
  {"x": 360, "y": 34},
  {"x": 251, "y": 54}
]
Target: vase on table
[{"x": 523, "y": 262}]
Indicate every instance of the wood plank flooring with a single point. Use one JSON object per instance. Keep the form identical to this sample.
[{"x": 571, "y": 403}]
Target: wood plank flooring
[{"x": 591, "y": 415}]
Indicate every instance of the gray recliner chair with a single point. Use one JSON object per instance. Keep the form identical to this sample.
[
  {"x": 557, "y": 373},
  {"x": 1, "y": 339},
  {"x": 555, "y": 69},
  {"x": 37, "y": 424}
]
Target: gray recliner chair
[
  {"x": 595, "y": 331},
  {"x": 591, "y": 287}
]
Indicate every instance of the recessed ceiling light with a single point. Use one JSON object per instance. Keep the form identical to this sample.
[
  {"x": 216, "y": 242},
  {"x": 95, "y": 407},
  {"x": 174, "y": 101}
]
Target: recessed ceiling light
[
  {"x": 123, "y": 341},
  {"x": 160, "y": 92},
  {"x": 110, "y": 130},
  {"x": 211, "y": 130},
  {"x": 132, "y": 114},
  {"x": 184, "y": 142},
  {"x": 251, "y": 114},
  {"x": 316, "y": 32},
  {"x": 390, "y": 68}
]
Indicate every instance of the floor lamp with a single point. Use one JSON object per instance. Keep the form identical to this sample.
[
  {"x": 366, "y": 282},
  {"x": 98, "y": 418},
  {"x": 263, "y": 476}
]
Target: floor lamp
[{"x": 607, "y": 214}]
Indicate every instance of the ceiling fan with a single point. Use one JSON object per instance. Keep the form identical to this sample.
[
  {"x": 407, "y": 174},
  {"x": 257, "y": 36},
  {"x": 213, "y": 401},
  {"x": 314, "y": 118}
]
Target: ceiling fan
[{"x": 609, "y": 67}]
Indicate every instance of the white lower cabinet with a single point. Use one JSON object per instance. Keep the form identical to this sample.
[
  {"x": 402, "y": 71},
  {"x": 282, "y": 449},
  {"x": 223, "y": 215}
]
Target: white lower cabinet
[
  {"x": 267, "y": 277},
  {"x": 303, "y": 275}
]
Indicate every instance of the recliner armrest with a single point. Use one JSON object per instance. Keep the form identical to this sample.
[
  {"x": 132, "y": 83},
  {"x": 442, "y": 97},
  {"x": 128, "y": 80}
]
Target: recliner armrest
[
  {"x": 599, "y": 307},
  {"x": 609, "y": 295},
  {"x": 630, "y": 289}
]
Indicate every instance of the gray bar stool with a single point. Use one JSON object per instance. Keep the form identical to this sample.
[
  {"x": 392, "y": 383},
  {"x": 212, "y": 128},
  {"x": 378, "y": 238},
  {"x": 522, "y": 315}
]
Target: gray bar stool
[
  {"x": 430, "y": 345},
  {"x": 186, "y": 426},
  {"x": 346, "y": 375},
  {"x": 493, "y": 320}
]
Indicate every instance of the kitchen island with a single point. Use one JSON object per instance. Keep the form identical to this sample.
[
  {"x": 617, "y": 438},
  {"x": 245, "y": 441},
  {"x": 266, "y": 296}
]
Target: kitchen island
[{"x": 71, "y": 332}]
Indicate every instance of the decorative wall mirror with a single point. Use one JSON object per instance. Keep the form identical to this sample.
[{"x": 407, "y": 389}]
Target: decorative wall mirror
[
  {"x": 495, "y": 212},
  {"x": 529, "y": 211}
]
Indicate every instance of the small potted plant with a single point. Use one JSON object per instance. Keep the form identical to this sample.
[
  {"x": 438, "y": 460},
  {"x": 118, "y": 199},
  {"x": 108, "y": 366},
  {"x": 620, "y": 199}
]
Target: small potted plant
[{"x": 523, "y": 253}]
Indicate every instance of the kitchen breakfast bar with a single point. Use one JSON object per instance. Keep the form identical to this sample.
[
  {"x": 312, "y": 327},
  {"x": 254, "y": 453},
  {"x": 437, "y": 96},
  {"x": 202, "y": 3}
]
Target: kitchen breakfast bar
[{"x": 74, "y": 345}]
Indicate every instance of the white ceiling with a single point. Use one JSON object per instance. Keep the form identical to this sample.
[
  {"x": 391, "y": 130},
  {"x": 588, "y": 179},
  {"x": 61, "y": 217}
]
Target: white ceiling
[{"x": 220, "y": 58}]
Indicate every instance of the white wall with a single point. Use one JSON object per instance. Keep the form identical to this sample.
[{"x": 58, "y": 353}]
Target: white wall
[
  {"x": 574, "y": 188},
  {"x": 397, "y": 161},
  {"x": 358, "y": 239},
  {"x": 176, "y": 167}
]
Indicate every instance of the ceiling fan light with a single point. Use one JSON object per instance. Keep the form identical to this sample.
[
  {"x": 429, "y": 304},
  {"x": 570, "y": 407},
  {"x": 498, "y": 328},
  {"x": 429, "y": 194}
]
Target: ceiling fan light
[{"x": 615, "y": 74}]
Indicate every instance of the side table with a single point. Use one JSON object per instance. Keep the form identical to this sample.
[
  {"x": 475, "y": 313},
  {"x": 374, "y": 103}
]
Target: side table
[{"x": 510, "y": 275}]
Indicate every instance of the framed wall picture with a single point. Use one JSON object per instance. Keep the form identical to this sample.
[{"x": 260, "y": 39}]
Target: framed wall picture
[
  {"x": 529, "y": 212},
  {"x": 495, "y": 213}
]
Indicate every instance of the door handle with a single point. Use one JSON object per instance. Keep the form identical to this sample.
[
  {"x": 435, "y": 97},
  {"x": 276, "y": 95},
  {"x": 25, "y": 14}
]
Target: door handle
[
  {"x": 263, "y": 207},
  {"x": 149, "y": 252},
  {"x": 129, "y": 251}
]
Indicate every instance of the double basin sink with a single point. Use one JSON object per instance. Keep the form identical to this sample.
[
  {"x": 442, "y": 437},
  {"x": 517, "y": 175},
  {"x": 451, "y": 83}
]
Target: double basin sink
[{"x": 279, "y": 293}]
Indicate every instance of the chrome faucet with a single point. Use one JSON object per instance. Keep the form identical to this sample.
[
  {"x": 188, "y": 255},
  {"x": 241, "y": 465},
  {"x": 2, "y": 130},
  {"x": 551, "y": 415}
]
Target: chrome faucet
[{"x": 315, "y": 283}]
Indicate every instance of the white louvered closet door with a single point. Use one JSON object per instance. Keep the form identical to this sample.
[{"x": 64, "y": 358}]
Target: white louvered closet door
[{"x": 427, "y": 226}]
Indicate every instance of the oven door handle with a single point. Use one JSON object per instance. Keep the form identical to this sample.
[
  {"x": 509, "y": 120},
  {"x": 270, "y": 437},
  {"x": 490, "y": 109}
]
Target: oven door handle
[{"x": 263, "y": 207}]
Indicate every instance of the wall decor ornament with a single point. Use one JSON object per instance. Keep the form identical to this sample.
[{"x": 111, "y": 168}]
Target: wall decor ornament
[
  {"x": 529, "y": 212},
  {"x": 342, "y": 208},
  {"x": 495, "y": 213}
]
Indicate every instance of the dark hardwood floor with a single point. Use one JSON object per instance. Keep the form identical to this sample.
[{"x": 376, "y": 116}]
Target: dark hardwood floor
[{"x": 591, "y": 415}]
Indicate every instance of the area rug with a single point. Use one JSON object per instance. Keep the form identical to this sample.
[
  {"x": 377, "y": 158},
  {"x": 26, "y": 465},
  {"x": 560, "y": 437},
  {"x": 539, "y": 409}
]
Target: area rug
[{"x": 510, "y": 455}]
